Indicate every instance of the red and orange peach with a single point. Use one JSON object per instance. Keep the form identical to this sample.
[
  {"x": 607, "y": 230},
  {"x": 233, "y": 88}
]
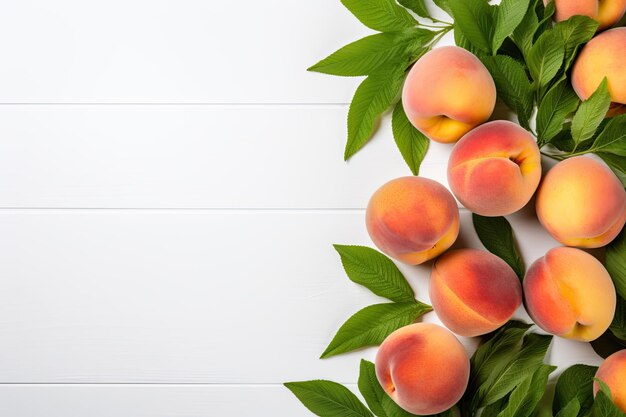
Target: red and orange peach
[
  {"x": 473, "y": 291},
  {"x": 603, "y": 56},
  {"x": 613, "y": 373},
  {"x": 423, "y": 368},
  {"x": 495, "y": 169},
  {"x": 605, "y": 12},
  {"x": 582, "y": 203},
  {"x": 570, "y": 294},
  {"x": 412, "y": 219},
  {"x": 447, "y": 93}
]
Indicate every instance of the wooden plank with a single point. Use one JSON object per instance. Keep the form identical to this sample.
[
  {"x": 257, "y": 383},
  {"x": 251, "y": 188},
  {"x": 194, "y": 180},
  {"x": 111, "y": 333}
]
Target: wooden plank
[
  {"x": 192, "y": 157},
  {"x": 173, "y": 51},
  {"x": 112, "y": 296},
  {"x": 149, "y": 401}
]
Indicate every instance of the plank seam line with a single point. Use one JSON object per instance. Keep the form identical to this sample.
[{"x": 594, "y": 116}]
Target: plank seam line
[
  {"x": 154, "y": 384},
  {"x": 139, "y": 103},
  {"x": 189, "y": 209}
]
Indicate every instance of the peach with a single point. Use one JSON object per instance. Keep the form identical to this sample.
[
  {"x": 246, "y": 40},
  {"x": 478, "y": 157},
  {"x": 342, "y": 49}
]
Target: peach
[
  {"x": 613, "y": 373},
  {"x": 605, "y": 12},
  {"x": 423, "y": 368},
  {"x": 603, "y": 56},
  {"x": 447, "y": 93},
  {"x": 412, "y": 219},
  {"x": 473, "y": 291},
  {"x": 570, "y": 294},
  {"x": 582, "y": 203},
  {"x": 495, "y": 169}
]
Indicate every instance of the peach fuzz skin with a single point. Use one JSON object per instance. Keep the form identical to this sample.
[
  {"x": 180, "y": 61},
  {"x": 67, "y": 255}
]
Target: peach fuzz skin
[
  {"x": 605, "y": 12},
  {"x": 447, "y": 93},
  {"x": 423, "y": 368},
  {"x": 473, "y": 292},
  {"x": 412, "y": 219},
  {"x": 613, "y": 373},
  {"x": 495, "y": 169},
  {"x": 570, "y": 294},
  {"x": 603, "y": 56},
  {"x": 582, "y": 203}
]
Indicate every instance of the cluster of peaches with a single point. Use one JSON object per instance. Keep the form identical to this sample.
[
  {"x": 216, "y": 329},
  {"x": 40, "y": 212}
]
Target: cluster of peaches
[{"x": 494, "y": 170}]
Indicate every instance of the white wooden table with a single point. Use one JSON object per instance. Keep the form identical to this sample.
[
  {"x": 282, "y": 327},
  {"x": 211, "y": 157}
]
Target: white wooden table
[{"x": 171, "y": 182}]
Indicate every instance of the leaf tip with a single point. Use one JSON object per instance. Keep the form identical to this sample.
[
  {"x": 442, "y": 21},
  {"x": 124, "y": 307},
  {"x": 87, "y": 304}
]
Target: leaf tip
[{"x": 326, "y": 354}]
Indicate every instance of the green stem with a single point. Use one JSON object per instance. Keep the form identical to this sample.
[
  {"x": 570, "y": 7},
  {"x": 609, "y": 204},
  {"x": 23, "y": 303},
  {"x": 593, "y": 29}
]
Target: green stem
[
  {"x": 439, "y": 34},
  {"x": 573, "y": 153},
  {"x": 430, "y": 26},
  {"x": 440, "y": 21},
  {"x": 553, "y": 156}
]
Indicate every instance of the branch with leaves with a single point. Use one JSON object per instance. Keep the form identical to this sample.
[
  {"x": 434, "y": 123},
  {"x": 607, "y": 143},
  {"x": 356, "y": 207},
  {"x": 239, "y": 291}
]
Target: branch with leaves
[{"x": 527, "y": 56}]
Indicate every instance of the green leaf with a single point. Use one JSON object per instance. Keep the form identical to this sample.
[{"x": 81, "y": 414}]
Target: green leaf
[
  {"x": 603, "y": 405},
  {"x": 328, "y": 399},
  {"x": 373, "y": 270},
  {"x": 512, "y": 84},
  {"x": 574, "y": 32},
  {"x": 496, "y": 235},
  {"x": 527, "y": 394},
  {"x": 417, "y": 6},
  {"x": 490, "y": 358},
  {"x": 411, "y": 142},
  {"x": 508, "y": 16},
  {"x": 545, "y": 57},
  {"x": 615, "y": 262},
  {"x": 590, "y": 114},
  {"x": 570, "y": 410},
  {"x": 371, "y": 325},
  {"x": 612, "y": 139},
  {"x": 370, "y": 388},
  {"x": 618, "y": 325},
  {"x": 493, "y": 410},
  {"x": 617, "y": 165},
  {"x": 370, "y": 53},
  {"x": 547, "y": 13},
  {"x": 375, "y": 94},
  {"x": 529, "y": 359},
  {"x": 475, "y": 19},
  {"x": 524, "y": 33},
  {"x": 381, "y": 15},
  {"x": 576, "y": 382},
  {"x": 463, "y": 42},
  {"x": 559, "y": 102},
  {"x": 375, "y": 397}
]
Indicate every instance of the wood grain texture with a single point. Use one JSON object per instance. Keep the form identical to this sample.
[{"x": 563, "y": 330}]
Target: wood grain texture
[
  {"x": 192, "y": 157},
  {"x": 172, "y": 51},
  {"x": 112, "y": 296}
]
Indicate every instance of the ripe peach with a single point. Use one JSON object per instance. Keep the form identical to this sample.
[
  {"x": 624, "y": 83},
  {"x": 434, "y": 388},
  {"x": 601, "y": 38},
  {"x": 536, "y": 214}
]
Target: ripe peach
[
  {"x": 582, "y": 203},
  {"x": 412, "y": 219},
  {"x": 447, "y": 93},
  {"x": 603, "y": 56},
  {"x": 613, "y": 373},
  {"x": 473, "y": 292},
  {"x": 423, "y": 368},
  {"x": 605, "y": 12},
  {"x": 495, "y": 169},
  {"x": 570, "y": 294}
]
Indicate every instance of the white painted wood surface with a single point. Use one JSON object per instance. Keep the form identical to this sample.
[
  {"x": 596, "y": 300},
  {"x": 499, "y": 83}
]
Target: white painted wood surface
[
  {"x": 171, "y": 183},
  {"x": 164, "y": 51},
  {"x": 192, "y": 157}
]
